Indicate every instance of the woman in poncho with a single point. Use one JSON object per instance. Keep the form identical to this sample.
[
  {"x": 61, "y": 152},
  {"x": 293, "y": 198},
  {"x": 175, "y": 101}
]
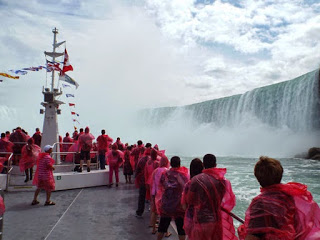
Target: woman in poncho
[
  {"x": 29, "y": 155},
  {"x": 43, "y": 178}
]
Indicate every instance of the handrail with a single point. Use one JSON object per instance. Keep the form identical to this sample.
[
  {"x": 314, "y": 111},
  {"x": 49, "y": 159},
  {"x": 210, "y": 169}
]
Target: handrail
[
  {"x": 1, "y": 217},
  {"x": 9, "y": 167},
  {"x": 73, "y": 159}
]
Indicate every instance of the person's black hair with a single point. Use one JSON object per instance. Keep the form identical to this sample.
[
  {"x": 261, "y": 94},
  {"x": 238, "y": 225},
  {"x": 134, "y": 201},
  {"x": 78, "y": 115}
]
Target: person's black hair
[
  {"x": 67, "y": 134},
  {"x": 103, "y": 131},
  {"x": 139, "y": 142},
  {"x": 148, "y": 145},
  {"x": 81, "y": 129},
  {"x": 37, "y": 129},
  {"x": 209, "y": 161},
  {"x": 196, "y": 167},
  {"x": 3, "y": 135},
  {"x": 175, "y": 162}
]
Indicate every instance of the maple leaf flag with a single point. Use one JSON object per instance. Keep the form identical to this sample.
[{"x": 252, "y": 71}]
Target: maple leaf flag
[{"x": 66, "y": 64}]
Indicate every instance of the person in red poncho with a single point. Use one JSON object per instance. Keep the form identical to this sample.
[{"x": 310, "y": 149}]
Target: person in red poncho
[
  {"x": 207, "y": 194},
  {"x": 140, "y": 181},
  {"x": 19, "y": 139},
  {"x": 37, "y": 137},
  {"x": 43, "y": 178},
  {"x": 168, "y": 198},
  {"x": 280, "y": 211},
  {"x": 29, "y": 155},
  {"x": 115, "y": 159},
  {"x": 103, "y": 142}
]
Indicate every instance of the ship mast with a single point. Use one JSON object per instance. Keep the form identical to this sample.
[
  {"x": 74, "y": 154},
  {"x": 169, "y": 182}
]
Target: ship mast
[
  {"x": 55, "y": 32},
  {"x": 50, "y": 131}
]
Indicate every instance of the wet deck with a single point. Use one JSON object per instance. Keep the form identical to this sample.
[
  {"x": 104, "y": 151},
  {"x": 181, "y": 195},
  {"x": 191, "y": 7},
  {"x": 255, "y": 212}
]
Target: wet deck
[{"x": 89, "y": 213}]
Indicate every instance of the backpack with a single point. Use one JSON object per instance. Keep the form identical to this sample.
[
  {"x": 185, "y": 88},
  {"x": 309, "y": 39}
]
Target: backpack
[{"x": 171, "y": 196}]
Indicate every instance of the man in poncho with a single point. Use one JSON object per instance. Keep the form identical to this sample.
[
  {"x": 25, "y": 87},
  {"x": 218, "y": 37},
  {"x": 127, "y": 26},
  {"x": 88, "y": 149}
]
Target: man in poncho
[
  {"x": 85, "y": 145},
  {"x": 43, "y": 178},
  {"x": 207, "y": 194},
  {"x": 280, "y": 211},
  {"x": 168, "y": 198}
]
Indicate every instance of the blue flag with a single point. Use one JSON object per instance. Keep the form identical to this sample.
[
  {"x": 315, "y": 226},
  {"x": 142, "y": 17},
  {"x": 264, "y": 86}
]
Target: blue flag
[{"x": 69, "y": 95}]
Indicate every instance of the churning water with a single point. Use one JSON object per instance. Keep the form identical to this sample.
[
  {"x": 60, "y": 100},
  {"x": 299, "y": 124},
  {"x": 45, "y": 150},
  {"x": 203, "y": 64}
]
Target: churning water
[{"x": 245, "y": 185}]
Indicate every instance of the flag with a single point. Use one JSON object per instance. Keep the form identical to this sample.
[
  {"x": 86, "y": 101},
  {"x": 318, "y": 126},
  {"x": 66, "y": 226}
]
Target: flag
[
  {"x": 69, "y": 95},
  {"x": 74, "y": 113},
  {"x": 9, "y": 76},
  {"x": 71, "y": 104},
  {"x": 52, "y": 66},
  {"x": 75, "y": 128},
  {"x": 66, "y": 64},
  {"x": 33, "y": 68},
  {"x": 65, "y": 85},
  {"x": 68, "y": 79},
  {"x": 75, "y": 120},
  {"x": 18, "y": 72}
]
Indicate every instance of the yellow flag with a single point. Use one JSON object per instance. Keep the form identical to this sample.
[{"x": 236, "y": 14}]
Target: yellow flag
[{"x": 9, "y": 76}]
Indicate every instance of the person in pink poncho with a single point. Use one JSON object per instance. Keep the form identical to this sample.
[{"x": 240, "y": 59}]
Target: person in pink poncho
[
  {"x": 29, "y": 155},
  {"x": 150, "y": 166},
  {"x": 127, "y": 167},
  {"x": 155, "y": 180},
  {"x": 85, "y": 145},
  {"x": 168, "y": 199},
  {"x": 280, "y": 211},
  {"x": 43, "y": 178},
  {"x": 196, "y": 167},
  {"x": 137, "y": 153},
  {"x": 207, "y": 194},
  {"x": 115, "y": 159}
]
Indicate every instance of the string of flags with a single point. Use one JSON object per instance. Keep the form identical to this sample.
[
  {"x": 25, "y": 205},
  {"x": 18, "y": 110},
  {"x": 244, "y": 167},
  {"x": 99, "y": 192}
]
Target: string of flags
[
  {"x": 60, "y": 66},
  {"x": 49, "y": 67}
]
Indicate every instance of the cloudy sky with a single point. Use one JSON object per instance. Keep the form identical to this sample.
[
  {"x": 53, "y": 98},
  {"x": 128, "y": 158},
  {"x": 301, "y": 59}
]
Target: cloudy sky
[{"x": 150, "y": 53}]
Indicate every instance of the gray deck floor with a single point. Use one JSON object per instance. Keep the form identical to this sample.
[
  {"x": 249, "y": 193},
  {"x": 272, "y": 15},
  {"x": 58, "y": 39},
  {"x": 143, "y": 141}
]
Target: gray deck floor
[{"x": 89, "y": 213}]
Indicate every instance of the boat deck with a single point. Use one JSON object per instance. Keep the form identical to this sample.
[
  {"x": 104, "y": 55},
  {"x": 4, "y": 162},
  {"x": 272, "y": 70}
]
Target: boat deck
[{"x": 88, "y": 213}]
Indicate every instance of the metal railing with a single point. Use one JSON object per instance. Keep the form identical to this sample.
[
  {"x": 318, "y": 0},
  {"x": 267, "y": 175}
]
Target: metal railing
[
  {"x": 8, "y": 166},
  {"x": 96, "y": 164},
  {"x": 1, "y": 216}
]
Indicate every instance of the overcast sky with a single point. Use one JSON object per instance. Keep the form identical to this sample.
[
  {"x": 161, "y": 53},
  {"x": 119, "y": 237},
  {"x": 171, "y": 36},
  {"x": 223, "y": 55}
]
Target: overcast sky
[{"x": 154, "y": 53}]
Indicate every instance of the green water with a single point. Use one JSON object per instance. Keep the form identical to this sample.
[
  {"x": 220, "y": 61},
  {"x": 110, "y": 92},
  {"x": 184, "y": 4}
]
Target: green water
[{"x": 245, "y": 185}]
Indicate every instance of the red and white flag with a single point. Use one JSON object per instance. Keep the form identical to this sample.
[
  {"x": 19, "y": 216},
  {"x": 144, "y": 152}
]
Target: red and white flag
[
  {"x": 52, "y": 66},
  {"x": 66, "y": 64},
  {"x": 71, "y": 104}
]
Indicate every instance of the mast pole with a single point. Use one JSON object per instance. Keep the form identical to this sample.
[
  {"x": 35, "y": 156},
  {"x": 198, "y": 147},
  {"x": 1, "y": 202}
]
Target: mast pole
[{"x": 55, "y": 32}]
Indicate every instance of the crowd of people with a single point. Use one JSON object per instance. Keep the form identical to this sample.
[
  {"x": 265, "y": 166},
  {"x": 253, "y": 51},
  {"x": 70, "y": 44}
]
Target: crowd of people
[{"x": 199, "y": 199}]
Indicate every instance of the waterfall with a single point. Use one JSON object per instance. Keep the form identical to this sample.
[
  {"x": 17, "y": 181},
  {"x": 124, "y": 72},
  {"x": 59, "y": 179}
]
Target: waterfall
[
  {"x": 280, "y": 119},
  {"x": 293, "y": 103}
]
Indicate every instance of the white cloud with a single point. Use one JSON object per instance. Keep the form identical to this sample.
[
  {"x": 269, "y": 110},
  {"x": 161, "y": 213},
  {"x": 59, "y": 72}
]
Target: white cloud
[{"x": 158, "y": 52}]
